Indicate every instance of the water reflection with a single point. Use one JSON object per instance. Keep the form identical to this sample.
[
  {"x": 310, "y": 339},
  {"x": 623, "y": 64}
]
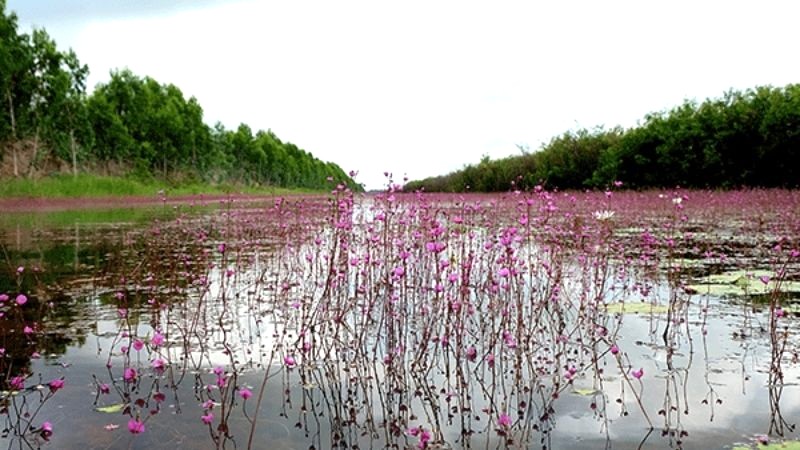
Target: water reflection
[{"x": 301, "y": 324}]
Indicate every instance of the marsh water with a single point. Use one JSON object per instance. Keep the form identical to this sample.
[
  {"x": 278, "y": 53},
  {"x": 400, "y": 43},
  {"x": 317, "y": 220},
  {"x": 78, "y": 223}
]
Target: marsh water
[{"x": 527, "y": 320}]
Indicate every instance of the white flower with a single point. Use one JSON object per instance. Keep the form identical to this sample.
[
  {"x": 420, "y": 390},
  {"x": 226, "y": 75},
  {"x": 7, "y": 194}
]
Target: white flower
[
  {"x": 603, "y": 215},
  {"x": 677, "y": 200}
]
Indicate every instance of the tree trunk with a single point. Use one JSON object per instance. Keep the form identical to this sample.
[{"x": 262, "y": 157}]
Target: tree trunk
[
  {"x": 73, "y": 148},
  {"x": 13, "y": 131},
  {"x": 32, "y": 164}
]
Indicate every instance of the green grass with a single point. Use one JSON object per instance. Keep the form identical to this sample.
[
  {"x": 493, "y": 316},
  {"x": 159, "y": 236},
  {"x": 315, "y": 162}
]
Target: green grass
[{"x": 84, "y": 185}]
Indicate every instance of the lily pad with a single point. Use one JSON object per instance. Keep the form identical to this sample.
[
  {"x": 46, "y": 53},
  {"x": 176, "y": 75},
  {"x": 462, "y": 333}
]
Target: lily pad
[
  {"x": 786, "y": 445},
  {"x": 635, "y": 308},
  {"x": 586, "y": 392},
  {"x": 742, "y": 282},
  {"x": 738, "y": 289},
  {"x": 111, "y": 409},
  {"x": 739, "y": 277}
]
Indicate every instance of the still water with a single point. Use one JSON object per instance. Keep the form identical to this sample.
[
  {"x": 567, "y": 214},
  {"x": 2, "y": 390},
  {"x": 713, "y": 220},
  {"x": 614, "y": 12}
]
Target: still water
[{"x": 402, "y": 322}]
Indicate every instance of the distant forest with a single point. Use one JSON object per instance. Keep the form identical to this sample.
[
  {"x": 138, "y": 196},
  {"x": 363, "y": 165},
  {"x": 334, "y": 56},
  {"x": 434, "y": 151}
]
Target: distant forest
[
  {"x": 130, "y": 125},
  {"x": 749, "y": 138}
]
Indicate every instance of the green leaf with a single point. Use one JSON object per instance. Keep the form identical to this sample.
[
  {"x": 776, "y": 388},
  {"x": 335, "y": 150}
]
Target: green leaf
[
  {"x": 742, "y": 282},
  {"x": 586, "y": 392},
  {"x": 635, "y": 308},
  {"x": 111, "y": 409},
  {"x": 786, "y": 445}
]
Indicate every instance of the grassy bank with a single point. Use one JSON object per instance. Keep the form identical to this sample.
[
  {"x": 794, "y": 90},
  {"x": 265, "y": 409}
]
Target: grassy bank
[{"x": 86, "y": 185}]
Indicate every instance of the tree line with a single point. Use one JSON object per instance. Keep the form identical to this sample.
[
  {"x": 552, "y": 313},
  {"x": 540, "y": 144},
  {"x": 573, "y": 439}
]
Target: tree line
[
  {"x": 131, "y": 124},
  {"x": 744, "y": 138}
]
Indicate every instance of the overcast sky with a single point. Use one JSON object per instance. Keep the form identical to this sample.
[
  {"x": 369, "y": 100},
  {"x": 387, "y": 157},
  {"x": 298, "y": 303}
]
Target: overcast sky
[{"x": 423, "y": 87}]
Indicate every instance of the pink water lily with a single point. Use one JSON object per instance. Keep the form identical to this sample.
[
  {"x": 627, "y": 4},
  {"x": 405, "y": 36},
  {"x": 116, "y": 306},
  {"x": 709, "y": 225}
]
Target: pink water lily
[
  {"x": 504, "y": 420},
  {"x": 136, "y": 426},
  {"x": 245, "y": 393},
  {"x": 158, "y": 364},
  {"x": 56, "y": 384},
  {"x": 138, "y": 345},
  {"x": 17, "y": 382},
  {"x": 157, "y": 340},
  {"x": 129, "y": 374}
]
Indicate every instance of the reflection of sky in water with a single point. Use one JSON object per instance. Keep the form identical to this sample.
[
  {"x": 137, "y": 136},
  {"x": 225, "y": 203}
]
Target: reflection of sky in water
[{"x": 734, "y": 368}]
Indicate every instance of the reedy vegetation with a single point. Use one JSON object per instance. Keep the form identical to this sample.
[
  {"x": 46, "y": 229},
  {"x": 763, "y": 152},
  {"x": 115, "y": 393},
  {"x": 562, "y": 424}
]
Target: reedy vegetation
[
  {"x": 419, "y": 319},
  {"x": 131, "y": 124}
]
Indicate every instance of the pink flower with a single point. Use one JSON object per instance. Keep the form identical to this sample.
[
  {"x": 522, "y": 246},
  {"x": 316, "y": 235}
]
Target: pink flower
[
  {"x": 159, "y": 397},
  {"x": 3, "y": 298},
  {"x": 764, "y": 279},
  {"x": 21, "y": 299},
  {"x": 423, "y": 435},
  {"x": 207, "y": 418},
  {"x": 245, "y": 393},
  {"x": 637, "y": 373},
  {"x": 138, "y": 345},
  {"x": 136, "y": 426},
  {"x": 27, "y": 330},
  {"x": 104, "y": 388},
  {"x": 289, "y": 361},
  {"x": 129, "y": 374},
  {"x": 47, "y": 429},
  {"x": 158, "y": 364},
  {"x": 509, "y": 340},
  {"x": 18, "y": 382},
  {"x": 56, "y": 384},
  {"x": 472, "y": 353},
  {"x": 157, "y": 340},
  {"x": 504, "y": 272},
  {"x": 504, "y": 420},
  {"x": 614, "y": 349}
]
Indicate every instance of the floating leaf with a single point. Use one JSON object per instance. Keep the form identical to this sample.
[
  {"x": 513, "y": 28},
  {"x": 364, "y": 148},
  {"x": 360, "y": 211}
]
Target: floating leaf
[
  {"x": 786, "y": 445},
  {"x": 635, "y": 308},
  {"x": 739, "y": 277},
  {"x": 722, "y": 290},
  {"x": 742, "y": 282},
  {"x": 111, "y": 409},
  {"x": 586, "y": 392}
]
